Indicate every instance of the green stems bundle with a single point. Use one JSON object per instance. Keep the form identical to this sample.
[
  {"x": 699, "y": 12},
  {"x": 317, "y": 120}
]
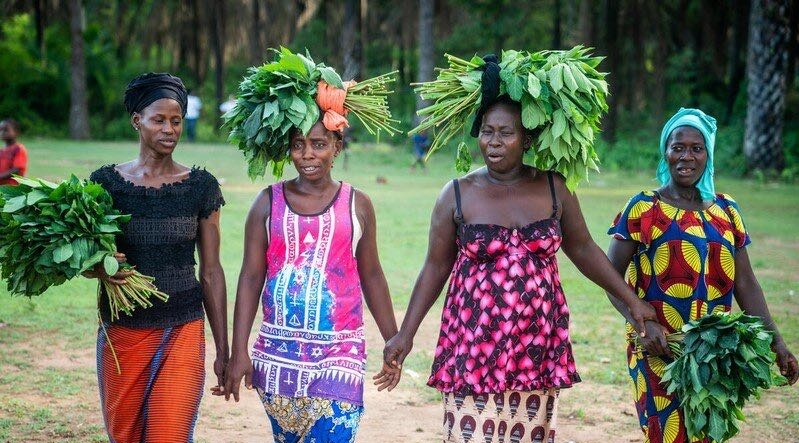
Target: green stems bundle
[
  {"x": 456, "y": 96},
  {"x": 721, "y": 361},
  {"x": 52, "y": 233},
  {"x": 368, "y": 101},
  {"x": 562, "y": 98}
]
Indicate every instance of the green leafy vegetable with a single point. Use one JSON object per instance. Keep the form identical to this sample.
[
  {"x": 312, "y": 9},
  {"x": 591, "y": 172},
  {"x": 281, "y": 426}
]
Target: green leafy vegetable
[
  {"x": 278, "y": 96},
  {"x": 562, "y": 98},
  {"x": 722, "y": 361},
  {"x": 52, "y": 233}
]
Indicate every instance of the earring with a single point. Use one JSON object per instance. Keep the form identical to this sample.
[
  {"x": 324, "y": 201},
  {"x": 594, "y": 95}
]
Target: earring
[{"x": 136, "y": 128}]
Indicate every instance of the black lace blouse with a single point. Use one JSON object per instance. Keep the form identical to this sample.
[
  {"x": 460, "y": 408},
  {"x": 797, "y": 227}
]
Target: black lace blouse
[{"x": 161, "y": 240}]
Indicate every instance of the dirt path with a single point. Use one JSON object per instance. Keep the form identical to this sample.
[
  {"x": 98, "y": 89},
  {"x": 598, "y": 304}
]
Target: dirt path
[{"x": 589, "y": 413}]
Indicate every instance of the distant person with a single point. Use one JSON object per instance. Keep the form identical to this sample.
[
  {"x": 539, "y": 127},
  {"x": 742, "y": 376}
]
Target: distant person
[
  {"x": 227, "y": 105},
  {"x": 421, "y": 143},
  {"x": 192, "y": 114},
  {"x": 683, "y": 249},
  {"x": 13, "y": 157}
]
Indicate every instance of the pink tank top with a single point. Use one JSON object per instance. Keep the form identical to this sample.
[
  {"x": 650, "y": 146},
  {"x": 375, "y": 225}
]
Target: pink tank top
[{"x": 311, "y": 342}]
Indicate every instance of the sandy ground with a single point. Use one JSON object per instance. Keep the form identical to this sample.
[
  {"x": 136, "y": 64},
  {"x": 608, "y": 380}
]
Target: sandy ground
[{"x": 588, "y": 413}]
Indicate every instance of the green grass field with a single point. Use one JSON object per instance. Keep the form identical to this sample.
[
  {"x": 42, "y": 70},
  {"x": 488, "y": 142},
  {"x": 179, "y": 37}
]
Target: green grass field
[{"x": 63, "y": 320}]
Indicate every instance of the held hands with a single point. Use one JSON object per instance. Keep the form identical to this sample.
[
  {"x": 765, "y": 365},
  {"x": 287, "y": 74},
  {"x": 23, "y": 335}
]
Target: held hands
[
  {"x": 98, "y": 272},
  {"x": 786, "y": 361},
  {"x": 394, "y": 353},
  {"x": 240, "y": 366},
  {"x": 655, "y": 339},
  {"x": 641, "y": 312},
  {"x": 388, "y": 377},
  {"x": 220, "y": 369}
]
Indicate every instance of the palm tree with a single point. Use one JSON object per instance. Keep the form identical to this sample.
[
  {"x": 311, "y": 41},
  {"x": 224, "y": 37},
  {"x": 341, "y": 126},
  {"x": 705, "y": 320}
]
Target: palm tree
[
  {"x": 767, "y": 64},
  {"x": 426, "y": 46}
]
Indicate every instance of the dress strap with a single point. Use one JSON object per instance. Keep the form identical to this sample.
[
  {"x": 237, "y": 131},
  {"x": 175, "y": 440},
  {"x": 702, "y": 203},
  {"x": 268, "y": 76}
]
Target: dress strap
[
  {"x": 554, "y": 196},
  {"x": 458, "y": 212}
]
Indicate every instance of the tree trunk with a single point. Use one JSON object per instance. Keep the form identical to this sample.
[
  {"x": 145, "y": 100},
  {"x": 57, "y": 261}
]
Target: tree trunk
[
  {"x": 611, "y": 64},
  {"x": 659, "y": 61},
  {"x": 426, "y": 46},
  {"x": 556, "y": 31},
  {"x": 636, "y": 63},
  {"x": 256, "y": 52},
  {"x": 364, "y": 35},
  {"x": 78, "y": 98},
  {"x": 198, "y": 52},
  {"x": 736, "y": 64},
  {"x": 218, "y": 44},
  {"x": 767, "y": 64},
  {"x": 586, "y": 23},
  {"x": 350, "y": 39},
  {"x": 40, "y": 16}
]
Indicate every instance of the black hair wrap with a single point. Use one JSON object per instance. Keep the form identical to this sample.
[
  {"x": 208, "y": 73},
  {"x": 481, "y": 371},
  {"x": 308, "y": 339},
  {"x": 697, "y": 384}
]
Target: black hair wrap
[
  {"x": 143, "y": 90},
  {"x": 489, "y": 87}
]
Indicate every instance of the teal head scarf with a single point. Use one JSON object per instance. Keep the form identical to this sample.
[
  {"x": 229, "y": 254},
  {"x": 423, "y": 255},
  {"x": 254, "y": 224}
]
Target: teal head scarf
[{"x": 706, "y": 125}]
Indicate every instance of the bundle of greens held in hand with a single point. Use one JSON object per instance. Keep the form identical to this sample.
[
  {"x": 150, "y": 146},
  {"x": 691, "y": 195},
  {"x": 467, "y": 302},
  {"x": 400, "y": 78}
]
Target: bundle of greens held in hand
[
  {"x": 721, "y": 361},
  {"x": 52, "y": 233},
  {"x": 562, "y": 96},
  {"x": 278, "y": 96}
]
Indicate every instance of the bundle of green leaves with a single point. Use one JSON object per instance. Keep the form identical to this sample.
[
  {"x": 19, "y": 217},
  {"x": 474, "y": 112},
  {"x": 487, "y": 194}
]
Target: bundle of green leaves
[
  {"x": 722, "y": 361},
  {"x": 52, "y": 233},
  {"x": 278, "y": 96},
  {"x": 562, "y": 97}
]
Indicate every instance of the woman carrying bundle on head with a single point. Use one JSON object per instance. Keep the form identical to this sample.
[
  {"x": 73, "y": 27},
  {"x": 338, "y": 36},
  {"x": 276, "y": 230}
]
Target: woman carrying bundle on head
[
  {"x": 310, "y": 252},
  {"x": 151, "y": 364},
  {"x": 683, "y": 249},
  {"x": 503, "y": 351}
]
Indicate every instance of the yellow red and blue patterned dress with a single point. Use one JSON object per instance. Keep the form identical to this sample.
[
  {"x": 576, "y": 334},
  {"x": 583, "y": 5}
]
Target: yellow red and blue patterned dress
[{"x": 684, "y": 266}]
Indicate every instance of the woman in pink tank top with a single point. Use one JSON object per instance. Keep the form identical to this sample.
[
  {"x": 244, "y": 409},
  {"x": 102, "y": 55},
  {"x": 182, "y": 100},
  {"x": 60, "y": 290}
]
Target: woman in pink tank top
[{"x": 310, "y": 256}]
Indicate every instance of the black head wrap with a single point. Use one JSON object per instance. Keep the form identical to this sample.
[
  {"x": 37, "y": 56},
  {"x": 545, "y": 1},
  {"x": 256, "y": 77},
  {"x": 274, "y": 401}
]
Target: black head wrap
[
  {"x": 147, "y": 88},
  {"x": 489, "y": 86}
]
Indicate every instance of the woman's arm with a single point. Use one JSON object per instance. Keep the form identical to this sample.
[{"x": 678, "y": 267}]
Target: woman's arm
[
  {"x": 248, "y": 292},
  {"x": 374, "y": 285},
  {"x": 620, "y": 254},
  {"x": 212, "y": 278},
  {"x": 592, "y": 262},
  {"x": 441, "y": 254},
  {"x": 373, "y": 281},
  {"x": 750, "y": 298}
]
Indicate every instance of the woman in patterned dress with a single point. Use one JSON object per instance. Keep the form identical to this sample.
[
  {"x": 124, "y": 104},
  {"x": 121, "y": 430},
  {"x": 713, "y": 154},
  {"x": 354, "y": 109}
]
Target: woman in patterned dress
[
  {"x": 503, "y": 352},
  {"x": 310, "y": 256},
  {"x": 683, "y": 249}
]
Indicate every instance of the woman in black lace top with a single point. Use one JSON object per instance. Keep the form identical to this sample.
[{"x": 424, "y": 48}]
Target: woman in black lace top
[{"x": 175, "y": 209}]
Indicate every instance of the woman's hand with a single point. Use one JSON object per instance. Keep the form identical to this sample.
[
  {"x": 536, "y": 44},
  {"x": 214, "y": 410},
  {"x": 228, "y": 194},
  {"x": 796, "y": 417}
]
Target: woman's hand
[
  {"x": 240, "y": 366},
  {"x": 786, "y": 361},
  {"x": 655, "y": 341},
  {"x": 388, "y": 377},
  {"x": 99, "y": 273},
  {"x": 397, "y": 348},
  {"x": 220, "y": 369},
  {"x": 642, "y": 312}
]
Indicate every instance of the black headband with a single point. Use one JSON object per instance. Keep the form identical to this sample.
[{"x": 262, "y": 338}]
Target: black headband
[
  {"x": 489, "y": 86},
  {"x": 147, "y": 88}
]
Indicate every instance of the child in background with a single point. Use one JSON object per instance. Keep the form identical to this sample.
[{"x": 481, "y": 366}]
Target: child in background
[{"x": 13, "y": 157}]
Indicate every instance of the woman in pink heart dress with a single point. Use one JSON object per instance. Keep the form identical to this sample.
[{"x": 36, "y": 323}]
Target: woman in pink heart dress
[{"x": 503, "y": 350}]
